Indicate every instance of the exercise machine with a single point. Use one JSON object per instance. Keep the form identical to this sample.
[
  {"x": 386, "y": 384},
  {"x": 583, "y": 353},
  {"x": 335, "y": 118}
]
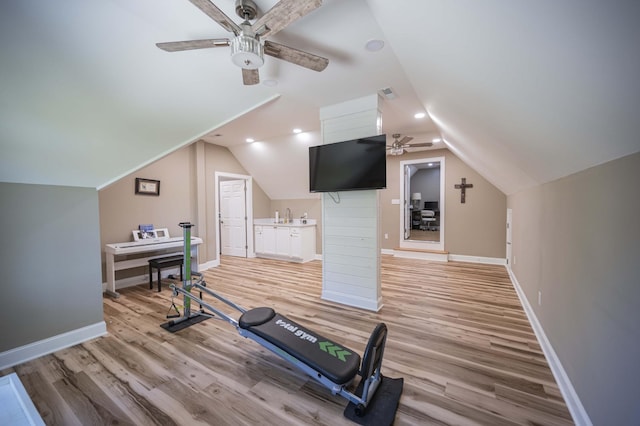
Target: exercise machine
[
  {"x": 332, "y": 365},
  {"x": 188, "y": 317}
]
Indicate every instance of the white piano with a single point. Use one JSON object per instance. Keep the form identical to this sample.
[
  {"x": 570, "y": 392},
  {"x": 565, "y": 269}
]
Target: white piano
[{"x": 155, "y": 247}]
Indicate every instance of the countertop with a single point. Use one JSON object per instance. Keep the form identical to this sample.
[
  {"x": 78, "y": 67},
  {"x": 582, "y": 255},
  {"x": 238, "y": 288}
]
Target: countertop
[{"x": 295, "y": 222}]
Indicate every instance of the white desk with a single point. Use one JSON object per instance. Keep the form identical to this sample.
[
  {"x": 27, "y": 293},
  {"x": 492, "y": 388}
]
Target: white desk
[{"x": 113, "y": 251}]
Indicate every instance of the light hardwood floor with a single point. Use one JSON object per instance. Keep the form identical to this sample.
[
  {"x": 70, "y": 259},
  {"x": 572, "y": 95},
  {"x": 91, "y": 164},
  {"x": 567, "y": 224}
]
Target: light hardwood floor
[
  {"x": 457, "y": 335},
  {"x": 423, "y": 235}
]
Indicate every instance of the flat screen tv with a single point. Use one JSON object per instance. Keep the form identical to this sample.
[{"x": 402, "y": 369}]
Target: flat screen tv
[
  {"x": 356, "y": 164},
  {"x": 431, "y": 205}
]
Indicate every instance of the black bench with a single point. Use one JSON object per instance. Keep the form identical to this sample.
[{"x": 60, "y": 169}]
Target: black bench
[
  {"x": 163, "y": 262},
  {"x": 337, "y": 363}
]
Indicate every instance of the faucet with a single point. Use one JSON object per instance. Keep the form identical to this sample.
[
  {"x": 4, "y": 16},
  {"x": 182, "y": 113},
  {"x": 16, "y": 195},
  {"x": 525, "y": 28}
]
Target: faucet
[{"x": 288, "y": 216}]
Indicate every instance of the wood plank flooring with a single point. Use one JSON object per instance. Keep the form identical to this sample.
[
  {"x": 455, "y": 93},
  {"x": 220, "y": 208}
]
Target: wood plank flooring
[
  {"x": 457, "y": 335},
  {"x": 423, "y": 235}
]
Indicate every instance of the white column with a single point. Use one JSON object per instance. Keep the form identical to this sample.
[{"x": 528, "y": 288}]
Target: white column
[{"x": 350, "y": 219}]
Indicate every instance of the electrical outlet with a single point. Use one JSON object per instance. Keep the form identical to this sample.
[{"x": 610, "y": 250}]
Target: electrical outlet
[
  {"x": 386, "y": 236},
  {"x": 539, "y": 298}
]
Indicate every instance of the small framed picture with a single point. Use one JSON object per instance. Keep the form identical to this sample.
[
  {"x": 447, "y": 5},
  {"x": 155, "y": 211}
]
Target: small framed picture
[{"x": 147, "y": 186}]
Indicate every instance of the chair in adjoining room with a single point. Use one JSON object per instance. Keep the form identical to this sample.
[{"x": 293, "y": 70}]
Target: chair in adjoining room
[{"x": 427, "y": 217}]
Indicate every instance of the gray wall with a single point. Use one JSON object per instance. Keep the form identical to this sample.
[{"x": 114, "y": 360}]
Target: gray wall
[
  {"x": 577, "y": 240},
  {"x": 476, "y": 228},
  {"x": 50, "y": 262},
  {"x": 121, "y": 210},
  {"x": 427, "y": 183}
]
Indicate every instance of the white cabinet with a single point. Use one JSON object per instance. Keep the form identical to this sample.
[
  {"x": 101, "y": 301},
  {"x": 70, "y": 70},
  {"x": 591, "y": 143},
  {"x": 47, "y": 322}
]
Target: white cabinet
[
  {"x": 258, "y": 239},
  {"x": 295, "y": 243},
  {"x": 283, "y": 241},
  {"x": 267, "y": 239}
]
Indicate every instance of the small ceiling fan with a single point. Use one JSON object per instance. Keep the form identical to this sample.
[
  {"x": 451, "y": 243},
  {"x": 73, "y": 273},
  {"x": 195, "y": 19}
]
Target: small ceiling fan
[
  {"x": 398, "y": 146},
  {"x": 247, "y": 49}
]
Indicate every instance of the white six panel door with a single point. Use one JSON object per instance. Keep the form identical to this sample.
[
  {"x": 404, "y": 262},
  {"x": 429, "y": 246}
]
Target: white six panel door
[{"x": 233, "y": 230}]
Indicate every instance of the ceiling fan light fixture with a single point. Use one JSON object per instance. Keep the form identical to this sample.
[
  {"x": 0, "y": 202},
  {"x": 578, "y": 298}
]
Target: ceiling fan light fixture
[
  {"x": 247, "y": 52},
  {"x": 396, "y": 150}
]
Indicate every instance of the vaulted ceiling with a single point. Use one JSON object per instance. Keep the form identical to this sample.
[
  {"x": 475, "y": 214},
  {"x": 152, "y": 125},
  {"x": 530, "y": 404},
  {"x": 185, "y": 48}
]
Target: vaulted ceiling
[{"x": 524, "y": 92}]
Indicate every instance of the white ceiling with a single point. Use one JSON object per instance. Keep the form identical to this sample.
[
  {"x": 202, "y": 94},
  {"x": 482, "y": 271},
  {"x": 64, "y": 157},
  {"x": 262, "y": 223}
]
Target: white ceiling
[{"x": 524, "y": 92}]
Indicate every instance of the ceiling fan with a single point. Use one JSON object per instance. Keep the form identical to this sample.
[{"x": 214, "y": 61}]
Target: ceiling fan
[
  {"x": 398, "y": 146},
  {"x": 247, "y": 49}
]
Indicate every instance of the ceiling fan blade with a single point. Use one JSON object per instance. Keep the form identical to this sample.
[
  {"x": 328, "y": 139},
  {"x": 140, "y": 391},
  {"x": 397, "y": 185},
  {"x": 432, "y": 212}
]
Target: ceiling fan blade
[
  {"x": 405, "y": 140},
  {"x": 295, "y": 56},
  {"x": 417, "y": 145},
  {"x": 250, "y": 77},
  {"x": 217, "y": 15},
  {"x": 176, "y": 46},
  {"x": 282, "y": 14}
]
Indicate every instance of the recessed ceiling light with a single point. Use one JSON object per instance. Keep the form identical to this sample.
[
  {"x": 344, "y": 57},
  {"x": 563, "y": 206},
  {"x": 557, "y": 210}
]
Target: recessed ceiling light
[
  {"x": 296, "y": 131},
  {"x": 420, "y": 115},
  {"x": 249, "y": 140},
  {"x": 374, "y": 45},
  {"x": 436, "y": 140}
]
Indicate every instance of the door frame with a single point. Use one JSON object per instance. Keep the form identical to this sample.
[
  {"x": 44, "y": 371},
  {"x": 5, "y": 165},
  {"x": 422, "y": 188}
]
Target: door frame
[
  {"x": 509, "y": 252},
  {"x": 248, "y": 200},
  {"x": 424, "y": 245}
]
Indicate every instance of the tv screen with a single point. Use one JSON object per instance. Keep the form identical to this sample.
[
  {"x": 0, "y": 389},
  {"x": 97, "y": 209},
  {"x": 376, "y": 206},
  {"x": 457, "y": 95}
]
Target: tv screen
[
  {"x": 356, "y": 164},
  {"x": 431, "y": 205}
]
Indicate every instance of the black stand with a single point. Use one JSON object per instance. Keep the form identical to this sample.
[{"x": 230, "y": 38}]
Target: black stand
[
  {"x": 187, "y": 319},
  {"x": 381, "y": 411}
]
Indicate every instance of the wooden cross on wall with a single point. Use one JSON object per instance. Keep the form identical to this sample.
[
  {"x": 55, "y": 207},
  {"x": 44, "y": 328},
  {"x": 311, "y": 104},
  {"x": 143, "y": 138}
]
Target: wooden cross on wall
[{"x": 463, "y": 186}]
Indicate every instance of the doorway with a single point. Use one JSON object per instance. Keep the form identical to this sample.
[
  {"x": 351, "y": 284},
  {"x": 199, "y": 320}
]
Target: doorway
[
  {"x": 422, "y": 185},
  {"x": 233, "y": 214}
]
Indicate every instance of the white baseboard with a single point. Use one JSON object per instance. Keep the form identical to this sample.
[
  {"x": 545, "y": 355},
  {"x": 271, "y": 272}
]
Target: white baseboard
[
  {"x": 408, "y": 254},
  {"x": 478, "y": 259},
  {"x": 355, "y": 301},
  {"x": 210, "y": 264},
  {"x": 578, "y": 413},
  {"x": 55, "y": 343}
]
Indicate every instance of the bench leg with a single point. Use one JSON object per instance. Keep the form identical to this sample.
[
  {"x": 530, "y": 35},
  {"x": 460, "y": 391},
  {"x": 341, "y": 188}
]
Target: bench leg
[
  {"x": 159, "y": 282},
  {"x": 150, "y": 277}
]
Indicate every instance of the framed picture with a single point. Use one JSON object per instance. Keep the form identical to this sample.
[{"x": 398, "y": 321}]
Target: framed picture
[{"x": 147, "y": 186}]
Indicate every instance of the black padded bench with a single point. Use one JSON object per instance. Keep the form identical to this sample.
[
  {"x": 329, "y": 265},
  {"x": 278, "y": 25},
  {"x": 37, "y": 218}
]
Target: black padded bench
[
  {"x": 337, "y": 363},
  {"x": 163, "y": 262}
]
